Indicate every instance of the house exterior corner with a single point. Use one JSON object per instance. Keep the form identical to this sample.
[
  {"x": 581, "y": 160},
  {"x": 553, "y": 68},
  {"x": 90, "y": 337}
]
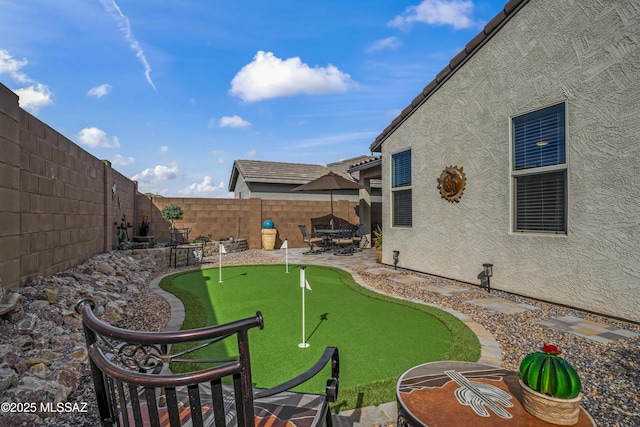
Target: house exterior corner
[{"x": 577, "y": 64}]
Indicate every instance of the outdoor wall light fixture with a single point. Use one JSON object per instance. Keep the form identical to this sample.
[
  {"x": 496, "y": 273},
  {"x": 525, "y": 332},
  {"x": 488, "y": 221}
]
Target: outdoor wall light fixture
[
  {"x": 396, "y": 255},
  {"x": 488, "y": 272}
]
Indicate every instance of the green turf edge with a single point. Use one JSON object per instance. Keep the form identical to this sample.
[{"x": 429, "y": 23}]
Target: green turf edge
[{"x": 465, "y": 344}]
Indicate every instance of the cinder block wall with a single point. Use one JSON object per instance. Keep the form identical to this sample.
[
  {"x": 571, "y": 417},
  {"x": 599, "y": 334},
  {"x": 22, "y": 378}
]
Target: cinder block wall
[
  {"x": 54, "y": 208},
  {"x": 243, "y": 218},
  {"x": 59, "y": 205}
]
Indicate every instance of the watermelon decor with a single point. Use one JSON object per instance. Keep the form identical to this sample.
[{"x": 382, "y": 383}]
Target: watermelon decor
[{"x": 550, "y": 387}]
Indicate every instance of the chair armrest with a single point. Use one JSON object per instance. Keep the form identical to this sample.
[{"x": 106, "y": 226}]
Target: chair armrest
[{"x": 330, "y": 354}]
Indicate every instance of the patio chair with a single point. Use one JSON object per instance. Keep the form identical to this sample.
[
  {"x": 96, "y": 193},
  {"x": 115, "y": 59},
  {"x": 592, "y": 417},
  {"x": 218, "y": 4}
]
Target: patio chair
[
  {"x": 311, "y": 239},
  {"x": 358, "y": 238},
  {"x": 134, "y": 385},
  {"x": 179, "y": 248},
  {"x": 345, "y": 241}
]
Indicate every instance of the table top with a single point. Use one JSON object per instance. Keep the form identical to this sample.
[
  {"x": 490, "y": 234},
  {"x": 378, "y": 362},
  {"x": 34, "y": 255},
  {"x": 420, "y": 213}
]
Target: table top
[
  {"x": 453, "y": 393},
  {"x": 327, "y": 231}
]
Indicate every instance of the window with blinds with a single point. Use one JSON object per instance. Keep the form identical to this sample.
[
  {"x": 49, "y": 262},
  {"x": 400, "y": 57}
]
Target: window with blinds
[
  {"x": 539, "y": 170},
  {"x": 401, "y": 189}
]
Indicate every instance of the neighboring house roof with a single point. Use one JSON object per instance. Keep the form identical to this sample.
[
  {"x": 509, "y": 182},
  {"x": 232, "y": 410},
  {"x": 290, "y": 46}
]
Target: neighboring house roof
[
  {"x": 287, "y": 173},
  {"x": 368, "y": 163},
  {"x": 343, "y": 166},
  {"x": 492, "y": 28}
]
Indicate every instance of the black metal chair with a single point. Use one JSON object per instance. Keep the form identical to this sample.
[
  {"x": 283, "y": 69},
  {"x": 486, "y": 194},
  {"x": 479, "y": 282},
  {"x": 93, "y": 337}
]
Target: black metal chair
[
  {"x": 134, "y": 385},
  {"x": 345, "y": 241},
  {"x": 311, "y": 239},
  {"x": 359, "y": 237},
  {"x": 179, "y": 246}
]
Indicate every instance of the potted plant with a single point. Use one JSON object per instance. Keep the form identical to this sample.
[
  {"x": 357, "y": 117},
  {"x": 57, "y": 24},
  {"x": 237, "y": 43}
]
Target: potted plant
[
  {"x": 172, "y": 213},
  {"x": 550, "y": 386},
  {"x": 122, "y": 228},
  {"x": 143, "y": 228},
  {"x": 377, "y": 242}
]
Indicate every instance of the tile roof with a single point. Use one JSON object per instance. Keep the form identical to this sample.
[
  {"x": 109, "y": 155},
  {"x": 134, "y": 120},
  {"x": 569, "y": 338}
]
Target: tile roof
[
  {"x": 489, "y": 30},
  {"x": 291, "y": 173},
  {"x": 263, "y": 171},
  {"x": 342, "y": 167},
  {"x": 364, "y": 163}
]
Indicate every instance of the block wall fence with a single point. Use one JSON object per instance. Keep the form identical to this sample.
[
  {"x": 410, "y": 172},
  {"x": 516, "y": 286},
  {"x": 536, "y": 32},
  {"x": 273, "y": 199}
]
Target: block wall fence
[
  {"x": 59, "y": 205},
  {"x": 243, "y": 218}
]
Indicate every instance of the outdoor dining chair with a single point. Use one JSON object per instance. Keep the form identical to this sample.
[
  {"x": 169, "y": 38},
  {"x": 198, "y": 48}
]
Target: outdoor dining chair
[
  {"x": 345, "y": 241},
  {"x": 134, "y": 383},
  {"x": 358, "y": 238},
  {"x": 311, "y": 239}
]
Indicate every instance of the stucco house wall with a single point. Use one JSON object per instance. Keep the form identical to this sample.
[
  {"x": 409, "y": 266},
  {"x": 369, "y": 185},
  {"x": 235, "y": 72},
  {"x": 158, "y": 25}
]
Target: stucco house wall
[
  {"x": 241, "y": 190},
  {"x": 586, "y": 54}
]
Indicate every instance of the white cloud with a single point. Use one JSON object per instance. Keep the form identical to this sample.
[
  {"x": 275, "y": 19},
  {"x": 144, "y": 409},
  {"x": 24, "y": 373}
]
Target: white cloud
[
  {"x": 233, "y": 122},
  {"x": 100, "y": 91},
  {"x": 120, "y": 160},
  {"x": 220, "y": 160},
  {"x": 156, "y": 174},
  {"x": 388, "y": 43},
  {"x": 94, "y": 137},
  {"x": 11, "y": 66},
  {"x": 206, "y": 186},
  {"x": 32, "y": 98},
  {"x": 164, "y": 149},
  {"x": 336, "y": 139},
  {"x": 270, "y": 77},
  {"x": 252, "y": 153},
  {"x": 456, "y": 13},
  {"x": 125, "y": 26}
]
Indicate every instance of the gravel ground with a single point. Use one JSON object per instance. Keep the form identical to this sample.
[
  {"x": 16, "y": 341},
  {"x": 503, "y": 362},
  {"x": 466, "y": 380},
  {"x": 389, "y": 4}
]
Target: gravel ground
[{"x": 610, "y": 372}]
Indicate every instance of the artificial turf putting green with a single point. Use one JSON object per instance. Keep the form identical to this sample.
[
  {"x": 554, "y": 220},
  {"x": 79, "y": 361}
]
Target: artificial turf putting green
[{"x": 378, "y": 337}]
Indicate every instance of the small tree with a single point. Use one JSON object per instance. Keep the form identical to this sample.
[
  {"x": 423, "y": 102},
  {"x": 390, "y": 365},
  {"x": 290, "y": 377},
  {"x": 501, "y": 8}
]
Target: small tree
[{"x": 172, "y": 213}]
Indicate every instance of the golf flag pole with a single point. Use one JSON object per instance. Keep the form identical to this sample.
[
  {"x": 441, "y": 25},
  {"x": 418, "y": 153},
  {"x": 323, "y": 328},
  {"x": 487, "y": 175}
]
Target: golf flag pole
[
  {"x": 304, "y": 285},
  {"x": 285, "y": 246},
  {"x": 221, "y": 250}
]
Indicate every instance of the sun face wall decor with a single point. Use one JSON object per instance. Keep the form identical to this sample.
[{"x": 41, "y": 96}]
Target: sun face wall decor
[{"x": 451, "y": 183}]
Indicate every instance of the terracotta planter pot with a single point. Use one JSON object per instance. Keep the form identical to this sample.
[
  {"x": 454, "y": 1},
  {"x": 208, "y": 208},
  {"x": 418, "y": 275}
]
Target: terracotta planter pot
[
  {"x": 379, "y": 255},
  {"x": 553, "y": 410}
]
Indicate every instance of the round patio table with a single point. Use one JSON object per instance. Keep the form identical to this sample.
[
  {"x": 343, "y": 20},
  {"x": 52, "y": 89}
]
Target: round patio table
[{"x": 453, "y": 393}]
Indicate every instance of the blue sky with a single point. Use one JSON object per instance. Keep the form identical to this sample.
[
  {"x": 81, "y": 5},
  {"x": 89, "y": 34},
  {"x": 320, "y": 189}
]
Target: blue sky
[{"x": 172, "y": 92}]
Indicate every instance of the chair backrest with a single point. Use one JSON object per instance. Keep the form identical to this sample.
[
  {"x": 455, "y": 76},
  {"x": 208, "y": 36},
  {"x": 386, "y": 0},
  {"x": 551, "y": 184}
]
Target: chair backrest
[
  {"x": 179, "y": 236},
  {"x": 360, "y": 231},
  {"x": 305, "y": 233},
  {"x": 126, "y": 369},
  {"x": 347, "y": 230}
]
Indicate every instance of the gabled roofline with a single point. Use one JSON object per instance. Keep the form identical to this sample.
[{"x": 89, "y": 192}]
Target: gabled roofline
[
  {"x": 233, "y": 178},
  {"x": 489, "y": 30},
  {"x": 365, "y": 165}
]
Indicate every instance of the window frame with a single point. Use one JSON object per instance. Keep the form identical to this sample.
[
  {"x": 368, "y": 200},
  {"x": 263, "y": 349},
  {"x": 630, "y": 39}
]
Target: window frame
[
  {"x": 403, "y": 187},
  {"x": 549, "y": 170}
]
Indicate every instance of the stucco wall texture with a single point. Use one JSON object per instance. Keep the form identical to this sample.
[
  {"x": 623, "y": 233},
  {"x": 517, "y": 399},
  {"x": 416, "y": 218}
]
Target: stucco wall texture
[{"x": 586, "y": 54}]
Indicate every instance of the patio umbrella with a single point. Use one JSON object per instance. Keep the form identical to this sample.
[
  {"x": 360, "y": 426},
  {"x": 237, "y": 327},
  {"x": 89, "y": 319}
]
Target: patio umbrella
[{"x": 329, "y": 182}]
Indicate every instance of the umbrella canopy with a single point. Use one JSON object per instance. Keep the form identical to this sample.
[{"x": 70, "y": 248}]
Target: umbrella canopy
[{"x": 329, "y": 182}]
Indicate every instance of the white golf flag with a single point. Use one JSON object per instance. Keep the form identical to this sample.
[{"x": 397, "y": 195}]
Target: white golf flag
[
  {"x": 285, "y": 245},
  {"x": 306, "y": 285},
  {"x": 222, "y": 249}
]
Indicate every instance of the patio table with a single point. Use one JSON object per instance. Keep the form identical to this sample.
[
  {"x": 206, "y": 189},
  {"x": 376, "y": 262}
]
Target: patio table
[
  {"x": 454, "y": 393},
  {"x": 327, "y": 236}
]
